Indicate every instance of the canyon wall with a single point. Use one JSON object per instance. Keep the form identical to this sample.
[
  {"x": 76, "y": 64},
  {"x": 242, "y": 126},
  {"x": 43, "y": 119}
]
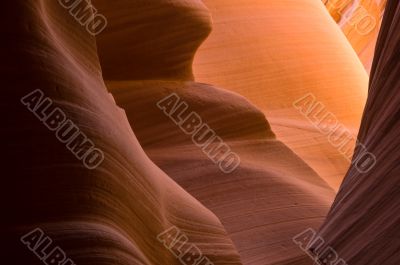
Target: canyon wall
[{"x": 362, "y": 224}]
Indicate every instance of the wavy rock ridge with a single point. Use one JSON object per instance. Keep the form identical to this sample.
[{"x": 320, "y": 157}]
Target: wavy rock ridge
[
  {"x": 162, "y": 37},
  {"x": 272, "y": 192},
  {"x": 109, "y": 215}
]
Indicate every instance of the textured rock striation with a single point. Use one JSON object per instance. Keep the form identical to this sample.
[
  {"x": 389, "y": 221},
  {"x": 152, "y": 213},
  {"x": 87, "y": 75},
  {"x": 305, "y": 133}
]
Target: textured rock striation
[{"x": 362, "y": 225}]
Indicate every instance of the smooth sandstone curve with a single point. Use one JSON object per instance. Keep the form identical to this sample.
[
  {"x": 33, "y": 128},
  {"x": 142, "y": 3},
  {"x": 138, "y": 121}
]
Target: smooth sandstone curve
[
  {"x": 272, "y": 193},
  {"x": 264, "y": 201},
  {"x": 275, "y": 52},
  {"x": 108, "y": 215},
  {"x": 151, "y": 39}
]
